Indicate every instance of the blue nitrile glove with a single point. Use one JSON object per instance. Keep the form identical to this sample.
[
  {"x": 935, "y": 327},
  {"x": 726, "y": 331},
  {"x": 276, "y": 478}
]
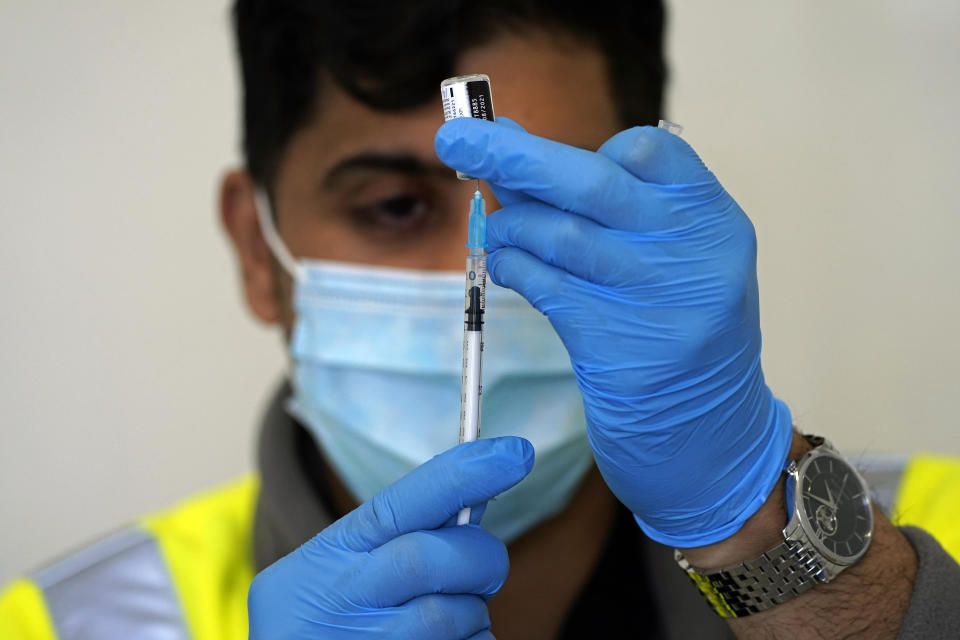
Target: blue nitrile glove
[
  {"x": 398, "y": 566},
  {"x": 646, "y": 267}
]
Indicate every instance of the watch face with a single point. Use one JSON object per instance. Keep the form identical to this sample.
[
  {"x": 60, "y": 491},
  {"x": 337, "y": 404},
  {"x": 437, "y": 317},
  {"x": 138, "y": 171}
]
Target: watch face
[{"x": 836, "y": 508}]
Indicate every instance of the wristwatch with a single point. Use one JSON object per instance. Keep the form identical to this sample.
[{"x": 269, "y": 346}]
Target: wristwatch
[{"x": 829, "y": 529}]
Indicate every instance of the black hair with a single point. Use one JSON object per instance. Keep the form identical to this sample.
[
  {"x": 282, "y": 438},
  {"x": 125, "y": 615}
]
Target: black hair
[{"x": 393, "y": 55}]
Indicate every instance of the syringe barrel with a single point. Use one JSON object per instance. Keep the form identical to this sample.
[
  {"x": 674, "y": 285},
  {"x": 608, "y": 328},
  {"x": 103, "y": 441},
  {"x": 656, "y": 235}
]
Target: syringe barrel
[{"x": 471, "y": 383}]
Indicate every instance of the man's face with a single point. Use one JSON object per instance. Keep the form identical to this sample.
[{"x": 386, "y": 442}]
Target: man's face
[{"x": 361, "y": 185}]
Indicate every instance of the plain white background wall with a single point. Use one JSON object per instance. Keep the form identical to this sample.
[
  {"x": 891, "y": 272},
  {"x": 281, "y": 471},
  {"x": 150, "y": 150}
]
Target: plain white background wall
[{"x": 130, "y": 374}]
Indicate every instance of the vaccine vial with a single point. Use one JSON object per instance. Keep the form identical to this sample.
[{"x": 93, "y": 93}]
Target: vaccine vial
[{"x": 467, "y": 97}]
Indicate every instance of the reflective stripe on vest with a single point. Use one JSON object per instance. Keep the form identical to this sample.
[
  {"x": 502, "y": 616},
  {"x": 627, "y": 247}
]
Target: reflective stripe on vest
[{"x": 116, "y": 588}]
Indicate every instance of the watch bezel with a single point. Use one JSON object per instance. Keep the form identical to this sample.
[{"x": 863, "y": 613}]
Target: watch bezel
[{"x": 800, "y": 522}]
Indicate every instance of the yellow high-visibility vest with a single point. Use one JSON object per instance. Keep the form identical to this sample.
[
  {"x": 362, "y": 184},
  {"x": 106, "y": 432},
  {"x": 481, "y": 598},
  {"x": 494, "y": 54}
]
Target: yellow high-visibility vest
[
  {"x": 929, "y": 497},
  {"x": 184, "y": 573}
]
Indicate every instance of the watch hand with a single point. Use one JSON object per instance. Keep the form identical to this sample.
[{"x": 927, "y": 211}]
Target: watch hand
[
  {"x": 818, "y": 498},
  {"x": 842, "y": 485},
  {"x": 833, "y": 503}
]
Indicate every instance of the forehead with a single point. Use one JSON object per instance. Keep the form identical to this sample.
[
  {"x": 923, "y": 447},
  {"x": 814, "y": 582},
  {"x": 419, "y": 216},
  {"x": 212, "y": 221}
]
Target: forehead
[{"x": 555, "y": 87}]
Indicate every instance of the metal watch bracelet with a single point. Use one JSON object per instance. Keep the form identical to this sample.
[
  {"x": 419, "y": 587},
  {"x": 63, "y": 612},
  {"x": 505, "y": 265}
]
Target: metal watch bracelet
[{"x": 774, "y": 577}]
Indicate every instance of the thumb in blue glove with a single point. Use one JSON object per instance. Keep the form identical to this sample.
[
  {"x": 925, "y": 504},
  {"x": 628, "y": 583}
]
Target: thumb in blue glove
[
  {"x": 646, "y": 268},
  {"x": 394, "y": 567}
]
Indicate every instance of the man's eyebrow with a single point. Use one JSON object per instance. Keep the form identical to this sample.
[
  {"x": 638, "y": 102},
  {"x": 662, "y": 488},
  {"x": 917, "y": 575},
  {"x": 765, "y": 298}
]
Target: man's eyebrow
[{"x": 406, "y": 163}]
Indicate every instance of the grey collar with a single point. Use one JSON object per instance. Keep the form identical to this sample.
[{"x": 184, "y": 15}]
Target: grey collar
[{"x": 293, "y": 503}]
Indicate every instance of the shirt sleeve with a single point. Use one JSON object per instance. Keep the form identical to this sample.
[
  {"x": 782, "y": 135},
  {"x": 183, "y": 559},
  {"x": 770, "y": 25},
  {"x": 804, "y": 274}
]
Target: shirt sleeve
[{"x": 935, "y": 604}]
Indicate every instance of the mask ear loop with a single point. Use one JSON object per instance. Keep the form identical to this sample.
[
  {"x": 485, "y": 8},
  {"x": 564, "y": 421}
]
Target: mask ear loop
[{"x": 272, "y": 238}]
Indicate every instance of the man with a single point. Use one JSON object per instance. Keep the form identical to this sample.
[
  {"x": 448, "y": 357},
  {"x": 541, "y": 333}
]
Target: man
[{"x": 641, "y": 271}]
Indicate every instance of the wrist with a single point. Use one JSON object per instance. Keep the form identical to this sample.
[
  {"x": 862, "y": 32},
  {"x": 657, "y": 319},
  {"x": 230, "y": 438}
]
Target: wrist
[{"x": 760, "y": 533}]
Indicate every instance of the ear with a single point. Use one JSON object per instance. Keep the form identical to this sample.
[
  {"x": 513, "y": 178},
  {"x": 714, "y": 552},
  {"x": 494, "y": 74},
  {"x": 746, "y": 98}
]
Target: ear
[{"x": 238, "y": 214}]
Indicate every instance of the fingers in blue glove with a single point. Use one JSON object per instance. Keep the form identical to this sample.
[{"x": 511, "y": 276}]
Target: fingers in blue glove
[
  {"x": 454, "y": 560},
  {"x": 656, "y": 156},
  {"x": 506, "y": 196},
  {"x": 428, "y": 496},
  {"x": 565, "y": 240},
  {"x": 386, "y": 569},
  {"x": 436, "y": 616},
  {"x": 566, "y": 177},
  {"x": 539, "y": 283}
]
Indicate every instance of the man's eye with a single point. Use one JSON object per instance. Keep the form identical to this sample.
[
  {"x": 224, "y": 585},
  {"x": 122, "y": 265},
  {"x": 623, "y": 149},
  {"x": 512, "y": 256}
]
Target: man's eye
[{"x": 399, "y": 213}]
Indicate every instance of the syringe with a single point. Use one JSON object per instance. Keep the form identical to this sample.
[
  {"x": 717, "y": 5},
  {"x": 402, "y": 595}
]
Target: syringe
[{"x": 475, "y": 302}]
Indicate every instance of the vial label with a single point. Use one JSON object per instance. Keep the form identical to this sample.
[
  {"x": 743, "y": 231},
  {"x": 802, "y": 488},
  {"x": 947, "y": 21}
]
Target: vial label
[
  {"x": 467, "y": 97},
  {"x": 467, "y": 100}
]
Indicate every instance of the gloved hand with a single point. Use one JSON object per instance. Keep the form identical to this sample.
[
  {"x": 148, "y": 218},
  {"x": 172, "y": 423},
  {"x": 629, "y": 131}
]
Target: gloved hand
[
  {"x": 398, "y": 566},
  {"x": 646, "y": 268}
]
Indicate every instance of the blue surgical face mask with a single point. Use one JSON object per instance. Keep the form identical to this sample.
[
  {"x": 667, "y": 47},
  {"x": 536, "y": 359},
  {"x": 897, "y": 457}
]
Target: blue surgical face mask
[{"x": 375, "y": 356}]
